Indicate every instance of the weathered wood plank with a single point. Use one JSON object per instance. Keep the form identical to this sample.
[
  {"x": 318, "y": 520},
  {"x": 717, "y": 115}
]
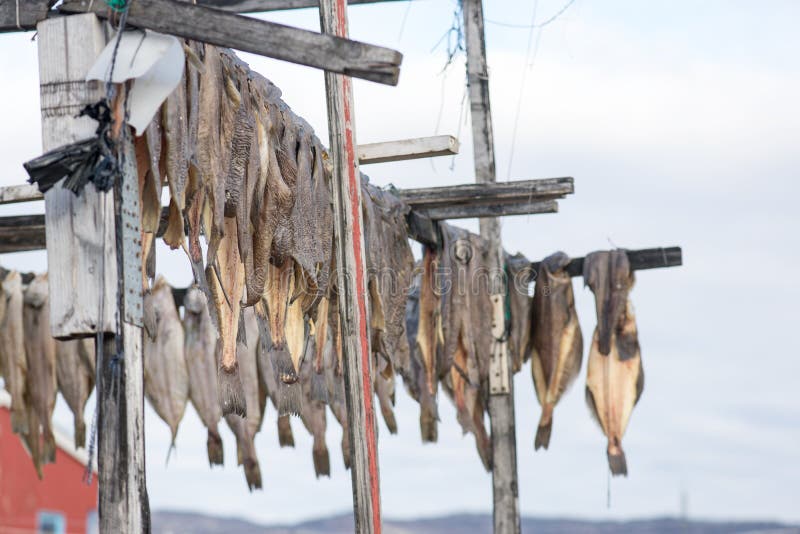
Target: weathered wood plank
[
  {"x": 329, "y": 52},
  {"x": 352, "y": 284},
  {"x": 501, "y": 399},
  {"x": 649, "y": 258},
  {"x": 23, "y": 232},
  {"x": 521, "y": 192},
  {"x": 420, "y": 147},
  {"x": 422, "y": 229},
  {"x": 13, "y": 194},
  {"x": 469, "y": 211},
  {"x": 254, "y": 6},
  {"x": 81, "y": 255},
  {"x": 22, "y": 15}
]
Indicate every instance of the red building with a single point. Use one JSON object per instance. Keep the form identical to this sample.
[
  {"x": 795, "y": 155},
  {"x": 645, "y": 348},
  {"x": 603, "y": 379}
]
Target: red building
[{"x": 61, "y": 503}]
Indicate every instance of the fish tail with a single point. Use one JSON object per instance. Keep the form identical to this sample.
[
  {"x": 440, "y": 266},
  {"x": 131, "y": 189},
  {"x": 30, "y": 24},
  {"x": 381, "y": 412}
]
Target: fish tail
[
  {"x": 282, "y": 361},
  {"x": 319, "y": 388},
  {"x": 346, "y": 448},
  {"x": 49, "y": 448},
  {"x": 545, "y": 428},
  {"x": 484, "y": 446},
  {"x": 616, "y": 458},
  {"x": 214, "y": 446},
  {"x": 389, "y": 418},
  {"x": 322, "y": 461},
  {"x": 19, "y": 422},
  {"x": 169, "y": 451},
  {"x": 285, "y": 435},
  {"x": 80, "y": 432},
  {"x": 290, "y": 399},
  {"x": 428, "y": 425},
  {"x": 252, "y": 473},
  {"x": 231, "y": 391}
]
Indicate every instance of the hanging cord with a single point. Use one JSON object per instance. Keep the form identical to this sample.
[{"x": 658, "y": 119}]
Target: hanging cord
[
  {"x": 100, "y": 334},
  {"x": 19, "y": 26}
]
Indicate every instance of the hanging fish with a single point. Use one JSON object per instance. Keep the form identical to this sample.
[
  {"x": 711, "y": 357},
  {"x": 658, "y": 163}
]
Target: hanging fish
[
  {"x": 518, "y": 268},
  {"x": 75, "y": 380},
  {"x": 40, "y": 352},
  {"x": 556, "y": 345},
  {"x": 312, "y": 414},
  {"x": 12, "y": 350},
  {"x": 429, "y": 338},
  {"x": 175, "y": 122},
  {"x": 199, "y": 348},
  {"x": 166, "y": 378},
  {"x": 245, "y": 428},
  {"x": 615, "y": 377}
]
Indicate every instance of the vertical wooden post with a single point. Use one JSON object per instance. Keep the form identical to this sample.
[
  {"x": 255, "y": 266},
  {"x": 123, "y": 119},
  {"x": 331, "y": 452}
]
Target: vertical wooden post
[
  {"x": 501, "y": 385},
  {"x": 352, "y": 279},
  {"x": 84, "y": 258},
  {"x": 77, "y": 251}
]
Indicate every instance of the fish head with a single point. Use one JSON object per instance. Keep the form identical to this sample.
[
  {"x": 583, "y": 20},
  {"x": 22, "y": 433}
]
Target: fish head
[
  {"x": 620, "y": 281},
  {"x": 195, "y": 300},
  {"x": 37, "y": 292}
]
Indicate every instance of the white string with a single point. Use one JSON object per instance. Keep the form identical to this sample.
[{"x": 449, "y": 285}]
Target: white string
[{"x": 18, "y": 24}]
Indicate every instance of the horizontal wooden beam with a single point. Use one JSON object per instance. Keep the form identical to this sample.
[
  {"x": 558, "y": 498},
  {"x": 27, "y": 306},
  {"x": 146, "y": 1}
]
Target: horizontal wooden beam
[
  {"x": 334, "y": 54},
  {"x": 19, "y": 233},
  {"x": 13, "y": 194},
  {"x": 649, "y": 258},
  {"x": 522, "y": 191},
  {"x": 420, "y": 147},
  {"x": 479, "y": 209},
  {"x": 255, "y": 6},
  {"x": 22, "y": 15}
]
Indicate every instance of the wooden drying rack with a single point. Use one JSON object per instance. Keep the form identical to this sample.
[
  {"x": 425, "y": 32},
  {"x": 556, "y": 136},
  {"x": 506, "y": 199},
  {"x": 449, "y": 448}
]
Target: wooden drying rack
[{"x": 123, "y": 498}]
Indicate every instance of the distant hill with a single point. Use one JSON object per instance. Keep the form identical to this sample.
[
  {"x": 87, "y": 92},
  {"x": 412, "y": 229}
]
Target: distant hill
[{"x": 166, "y": 522}]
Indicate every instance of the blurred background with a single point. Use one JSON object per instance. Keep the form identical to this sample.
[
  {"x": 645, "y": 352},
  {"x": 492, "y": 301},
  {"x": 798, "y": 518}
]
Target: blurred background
[{"x": 679, "y": 122}]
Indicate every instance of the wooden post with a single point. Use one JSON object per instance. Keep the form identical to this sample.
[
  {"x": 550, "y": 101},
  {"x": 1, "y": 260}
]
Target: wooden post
[
  {"x": 79, "y": 254},
  {"x": 84, "y": 256},
  {"x": 352, "y": 279},
  {"x": 501, "y": 384}
]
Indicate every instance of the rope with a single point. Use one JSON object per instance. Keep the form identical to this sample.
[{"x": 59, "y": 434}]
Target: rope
[{"x": 18, "y": 24}]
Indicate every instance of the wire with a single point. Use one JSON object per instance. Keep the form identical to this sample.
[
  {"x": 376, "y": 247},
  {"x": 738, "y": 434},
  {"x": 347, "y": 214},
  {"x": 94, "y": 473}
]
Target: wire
[
  {"x": 532, "y": 25},
  {"x": 532, "y": 29}
]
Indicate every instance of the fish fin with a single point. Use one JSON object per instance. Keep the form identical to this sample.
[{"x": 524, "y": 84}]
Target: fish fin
[
  {"x": 592, "y": 407},
  {"x": 319, "y": 388},
  {"x": 346, "y": 449},
  {"x": 169, "y": 451},
  {"x": 545, "y": 428},
  {"x": 322, "y": 461},
  {"x": 214, "y": 446},
  {"x": 282, "y": 362},
  {"x": 639, "y": 383},
  {"x": 616, "y": 459},
  {"x": 290, "y": 399},
  {"x": 80, "y": 432},
  {"x": 285, "y": 435},
  {"x": 231, "y": 392},
  {"x": 484, "y": 446},
  {"x": 389, "y": 418}
]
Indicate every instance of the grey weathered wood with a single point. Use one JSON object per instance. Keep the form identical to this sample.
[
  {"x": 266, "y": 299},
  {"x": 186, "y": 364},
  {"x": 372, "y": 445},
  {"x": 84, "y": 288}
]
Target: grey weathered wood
[
  {"x": 421, "y": 228},
  {"x": 521, "y": 192},
  {"x": 352, "y": 284},
  {"x": 469, "y": 211},
  {"x": 254, "y": 6},
  {"x": 20, "y": 193},
  {"x": 420, "y": 147},
  {"x": 22, "y": 15},
  {"x": 81, "y": 255},
  {"x": 501, "y": 401},
  {"x": 649, "y": 258},
  {"x": 123, "y": 504},
  {"x": 199, "y": 23},
  {"x": 22, "y": 232}
]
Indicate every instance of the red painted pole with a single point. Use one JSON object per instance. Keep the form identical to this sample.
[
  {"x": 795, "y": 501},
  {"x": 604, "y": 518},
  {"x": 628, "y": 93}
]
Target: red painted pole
[{"x": 352, "y": 279}]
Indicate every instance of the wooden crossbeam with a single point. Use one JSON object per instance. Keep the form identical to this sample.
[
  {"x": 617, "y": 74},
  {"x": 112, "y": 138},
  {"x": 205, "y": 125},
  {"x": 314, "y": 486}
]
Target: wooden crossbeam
[
  {"x": 19, "y": 193},
  {"x": 22, "y": 15},
  {"x": 480, "y": 209},
  {"x": 488, "y": 193},
  {"x": 255, "y": 6},
  {"x": 328, "y": 52},
  {"x": 648, "y": 258},
  {"x": 420, "y": 147},
  {"x": 19, "y": 233}
]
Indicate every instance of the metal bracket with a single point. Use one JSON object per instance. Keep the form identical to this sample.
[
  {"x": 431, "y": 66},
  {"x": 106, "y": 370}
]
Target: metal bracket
[
  {"x": 131, "y": 239},
  {"x": 498, "y": 364}
]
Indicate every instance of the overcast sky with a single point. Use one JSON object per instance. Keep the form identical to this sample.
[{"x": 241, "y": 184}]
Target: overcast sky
[{"x": 680, "y": 122}]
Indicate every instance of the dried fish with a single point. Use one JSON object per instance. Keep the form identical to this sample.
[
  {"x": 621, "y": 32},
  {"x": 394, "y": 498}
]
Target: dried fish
[
  {"x": 12, "y": 351},
  {"x": 75, "y": 380},
  {"x": 519, "y": 272},
  {"x": 166, "y": 378},
  {"x": 615, "y": 378},
  {"x": 40, "y": 352},
  {"x": 312, "y": 413},
  {"x": 176, "y": 137},
  {"x": 556, "y": 342},
  {"x": 199, "y": 348}
]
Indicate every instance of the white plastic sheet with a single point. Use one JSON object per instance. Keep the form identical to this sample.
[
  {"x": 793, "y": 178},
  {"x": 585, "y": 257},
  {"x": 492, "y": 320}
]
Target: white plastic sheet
[{"x": 153, "y": 60}]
